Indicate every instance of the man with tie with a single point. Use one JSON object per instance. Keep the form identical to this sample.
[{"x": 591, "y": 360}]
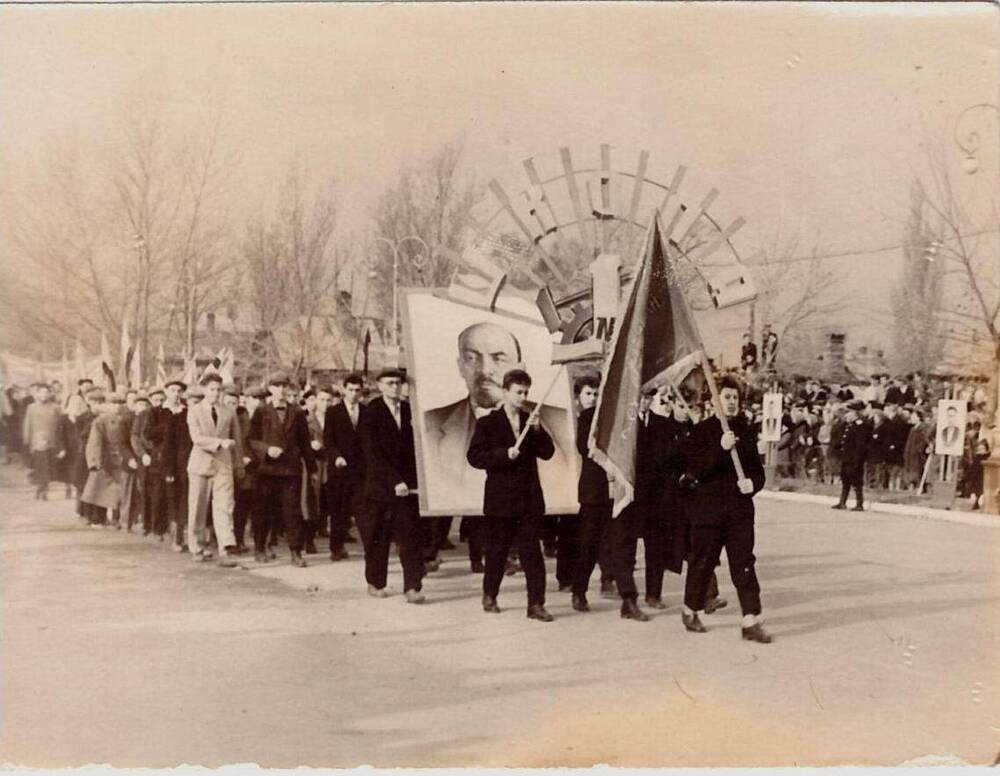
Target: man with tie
[
  {"x": 215, "y": 463},
  {"x": 390, "y": 479},
  {"x": 513, "y": 503},
  {"x": 279, "y": 440},
  {"x": 342, "y": 448}
]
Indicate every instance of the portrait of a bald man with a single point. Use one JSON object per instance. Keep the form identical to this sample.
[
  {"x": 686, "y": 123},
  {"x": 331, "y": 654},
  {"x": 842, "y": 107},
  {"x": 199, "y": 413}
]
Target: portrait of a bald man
[{"x": 486, "y": 352}]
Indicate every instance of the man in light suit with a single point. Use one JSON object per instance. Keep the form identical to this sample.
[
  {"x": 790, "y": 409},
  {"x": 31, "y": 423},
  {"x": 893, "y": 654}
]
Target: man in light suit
[
  {"x": 486, "y": 352},
  {"x": 216, "y": 461}
]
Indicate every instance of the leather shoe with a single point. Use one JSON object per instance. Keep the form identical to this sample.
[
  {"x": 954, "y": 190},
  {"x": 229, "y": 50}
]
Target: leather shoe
[
  {"x": 512, "y": 567},
  {"x": 340, "y": 554},
  {"x": 431, "y": 566},
  {"x": 631, "y": 611},
  {"x": 839, "y": 506},
  {"x": 490, "y": 605},
  {"x": 757, "y": 633},
  {"x": 714, "y": 604},
  {"x": 537, "y": 612},
  {"x": 311, "y": 548},
  {"x": 260, "y": 557},
  {"x": 655, "y": 602},
  {"x": 477, "y": 567},
  {"x": 298, "y": 561},
  {"x": 692, "y": 623},
  {"x": 228, "y": 561},
  {"x": 858, "y": 508},
  {"x": 580, "y": 603},
  {"x": 565, "y": 588},
  {"x": 377, "y": 592},
  {"x": 415, "y": 597},
  {"x": 609, "y": 589}
]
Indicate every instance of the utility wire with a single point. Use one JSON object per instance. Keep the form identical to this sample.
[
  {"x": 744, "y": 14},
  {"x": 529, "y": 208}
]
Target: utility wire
[{"x": 866, "y": 251}]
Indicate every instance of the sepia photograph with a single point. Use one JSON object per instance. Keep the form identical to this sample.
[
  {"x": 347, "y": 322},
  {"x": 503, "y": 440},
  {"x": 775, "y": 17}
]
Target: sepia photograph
[{"x": 481, "y": 385}]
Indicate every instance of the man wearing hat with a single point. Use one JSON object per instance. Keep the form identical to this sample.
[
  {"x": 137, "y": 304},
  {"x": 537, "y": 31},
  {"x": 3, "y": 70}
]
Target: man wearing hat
[
  {"x": 852, "y": 449},
  {"x": 153, "y": 458},
  {"x": 390, "y": 476},
  {"x": 138, "y": 444},
  {"x": 279, "y": 440},
  {"x": 107, "y": 457},
  {"x": 243, "y": 495},
  {"x": 176, "y": 452},
  {"x": 216, "y": 459}
]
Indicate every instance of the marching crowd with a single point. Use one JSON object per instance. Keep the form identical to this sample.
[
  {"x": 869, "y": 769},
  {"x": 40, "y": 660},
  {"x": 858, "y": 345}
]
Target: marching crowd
[{"x": 218, "y": 473}]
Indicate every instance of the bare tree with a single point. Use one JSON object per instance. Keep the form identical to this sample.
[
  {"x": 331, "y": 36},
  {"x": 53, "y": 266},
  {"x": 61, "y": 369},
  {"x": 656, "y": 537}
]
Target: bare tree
[
  {"x": 800, "y": 297},
  {"x": 918, "y": 296},
  {"x": 134, "y": 237},
  {"x": 964, "y": 245},
  {"x": 430, "y": 202},
  {"x": 292, "y": 264}
]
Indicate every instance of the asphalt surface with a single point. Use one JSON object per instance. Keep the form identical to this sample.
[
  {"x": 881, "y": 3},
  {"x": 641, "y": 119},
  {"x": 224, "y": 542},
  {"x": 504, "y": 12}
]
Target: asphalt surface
[{"x": 117, "y": 651}]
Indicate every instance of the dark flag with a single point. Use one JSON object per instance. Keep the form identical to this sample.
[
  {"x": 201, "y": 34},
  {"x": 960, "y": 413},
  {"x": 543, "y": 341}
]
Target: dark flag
[{"x": 656, "y": 343}]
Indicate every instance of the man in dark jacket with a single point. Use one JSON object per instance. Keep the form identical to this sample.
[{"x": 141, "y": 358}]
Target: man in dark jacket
[
  {"x": 176, "y": 452},
  {"x": 390, "y": 479},
  {"x": 513, "y": 504},
  {"x": 721, "y": 512},
  {"x": 852, "y": 449},
  {"x": 342, "y": 446},
  {"x": 280, "y": 443},
  {"x": 595, "y": 513}
]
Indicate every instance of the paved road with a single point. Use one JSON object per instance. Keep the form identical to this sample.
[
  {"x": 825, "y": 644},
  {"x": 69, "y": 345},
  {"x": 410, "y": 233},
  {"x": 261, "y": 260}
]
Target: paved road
[{"x": 116, "y": 651}]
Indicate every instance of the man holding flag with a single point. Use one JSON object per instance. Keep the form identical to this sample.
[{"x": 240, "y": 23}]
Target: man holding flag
[{"x": 657, "y": 343}]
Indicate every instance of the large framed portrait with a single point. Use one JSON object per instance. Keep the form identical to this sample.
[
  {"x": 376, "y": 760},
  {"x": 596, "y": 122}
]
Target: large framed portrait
[
  {"x": 457, "y": 356},
  {"x": 950, "y": 436}
]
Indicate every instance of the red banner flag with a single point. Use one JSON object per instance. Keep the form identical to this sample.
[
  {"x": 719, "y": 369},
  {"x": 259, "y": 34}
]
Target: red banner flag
[{"x": 656, "y": 342}]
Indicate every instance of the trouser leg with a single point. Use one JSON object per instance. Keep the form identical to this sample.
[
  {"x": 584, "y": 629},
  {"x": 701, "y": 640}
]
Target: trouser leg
[
  {"x": 265, "y": 503},
  {"x": 567, "y": 549},
  {"x": 532, "y": 560},
  {"x": 655, "y": 551},
  {"x": 377, "y": 538},
  {"x": 706, "y": 548},
  {"x": 473, "y": 527},
  {"x": 223, "y": 502},
  {"x": 407, "y": 524},
  {"x": 738, "y": 538},
  {"x": 291, "y": 511},
  {"x": 498, "y": 536},
  {"x": 593, "y": 522},
  {"x": 623, "y": 537},
  {"x": 199, "y": 489}
]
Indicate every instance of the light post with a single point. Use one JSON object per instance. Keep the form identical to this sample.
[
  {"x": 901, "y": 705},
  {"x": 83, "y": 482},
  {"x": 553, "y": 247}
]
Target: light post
[
  {"x": 969, "y": 142},
  {"x": 395, "y": 246}
]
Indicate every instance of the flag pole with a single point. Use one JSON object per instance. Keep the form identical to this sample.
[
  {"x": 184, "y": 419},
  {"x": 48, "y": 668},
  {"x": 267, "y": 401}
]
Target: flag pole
[
  {"x": 717, "y": 403},
  {"x": 538, "y": 407}
]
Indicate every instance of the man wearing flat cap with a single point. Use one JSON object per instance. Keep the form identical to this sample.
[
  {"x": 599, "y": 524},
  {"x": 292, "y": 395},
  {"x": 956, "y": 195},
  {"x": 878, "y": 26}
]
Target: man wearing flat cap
[
  {"x": 852, "y": 449},
  {"x": 280, "y": 444},
  {"x": 390, "y": 472},
  {"x": 176, "y": 452},
  {"x": 107, "y": 457}
]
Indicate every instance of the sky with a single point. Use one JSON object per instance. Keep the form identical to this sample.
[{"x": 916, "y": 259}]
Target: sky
[{"x": 811, "y": 119}]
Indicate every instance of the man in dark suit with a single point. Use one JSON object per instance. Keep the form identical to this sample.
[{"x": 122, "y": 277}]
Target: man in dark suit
[
  {"x": 513, "y": 504},
  {"x": 720, "y": 511},
  {"x": 852, "y": 450},
  {"x": 279, "y": 440},
  {"x": 390, "y": 477},
  {"x": 594, "y": 496},
  {"x": 177, "y": 449},
  {"x": 342, "y": 444}
]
